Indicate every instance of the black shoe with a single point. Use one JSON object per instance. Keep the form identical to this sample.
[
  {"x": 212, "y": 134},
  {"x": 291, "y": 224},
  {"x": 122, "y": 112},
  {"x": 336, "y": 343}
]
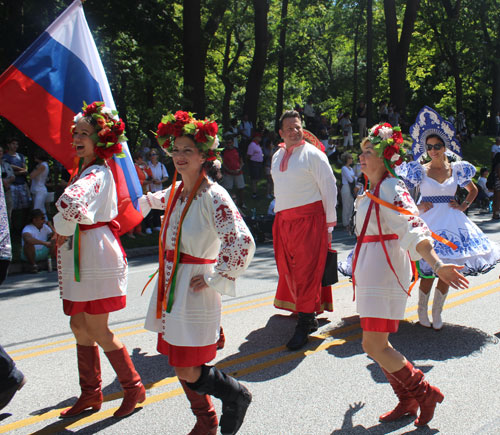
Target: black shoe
[
  {"x": 7, "y": 395},
  {"x": 306, "y": 324},
  {"x": 235, "y": 397},
  {"x": 234, "y": 412}
]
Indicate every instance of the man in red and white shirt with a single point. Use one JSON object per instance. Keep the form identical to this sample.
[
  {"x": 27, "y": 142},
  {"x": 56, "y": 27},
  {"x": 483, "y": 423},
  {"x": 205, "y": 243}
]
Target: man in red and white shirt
[
  {"x": 232, "y": 164},
  {"x": 306, "y": 196}
]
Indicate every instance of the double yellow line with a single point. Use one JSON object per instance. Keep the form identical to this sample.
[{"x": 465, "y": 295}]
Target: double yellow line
[{"x": 319, "y": 342}]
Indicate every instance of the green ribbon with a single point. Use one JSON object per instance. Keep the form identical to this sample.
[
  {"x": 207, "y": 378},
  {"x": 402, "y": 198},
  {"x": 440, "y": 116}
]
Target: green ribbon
[
  {"x": 420, "y": 274},
  {"x": 76, "y": 252},
  {"x": 170, "y": 301}
]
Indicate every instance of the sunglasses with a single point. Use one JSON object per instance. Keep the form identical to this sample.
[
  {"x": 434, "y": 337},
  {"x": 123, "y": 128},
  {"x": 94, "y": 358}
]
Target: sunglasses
[{"x": 437, "y": 146}]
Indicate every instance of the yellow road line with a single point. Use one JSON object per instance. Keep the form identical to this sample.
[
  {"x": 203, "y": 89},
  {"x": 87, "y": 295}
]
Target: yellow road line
[
  {"x": 452, "y": 294},
  {"x": 237, "y": 373}
]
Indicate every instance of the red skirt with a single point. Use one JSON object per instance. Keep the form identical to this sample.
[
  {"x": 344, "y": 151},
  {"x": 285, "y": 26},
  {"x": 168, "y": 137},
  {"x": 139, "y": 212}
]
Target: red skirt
[
  {"x": 374, "y": 324},
  {"x": 300, "y": 241},
  {"x": 186, "y": 356},
  {"x": 99, "y": 306}
]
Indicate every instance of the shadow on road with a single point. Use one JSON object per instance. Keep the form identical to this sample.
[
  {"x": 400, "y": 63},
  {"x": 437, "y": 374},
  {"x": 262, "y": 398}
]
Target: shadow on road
[
  {"x": 419, "y": 343},
  {"x": 348, "y": 427},
  {"x": 272, "y": 337}
]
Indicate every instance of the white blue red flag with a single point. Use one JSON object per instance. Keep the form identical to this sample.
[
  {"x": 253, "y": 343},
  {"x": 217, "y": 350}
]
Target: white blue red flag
[{"x": 45, "y": 88}]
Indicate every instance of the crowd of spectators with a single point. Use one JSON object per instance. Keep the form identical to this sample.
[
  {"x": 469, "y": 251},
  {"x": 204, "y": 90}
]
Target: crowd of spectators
[{"x": 31, "y": 188}]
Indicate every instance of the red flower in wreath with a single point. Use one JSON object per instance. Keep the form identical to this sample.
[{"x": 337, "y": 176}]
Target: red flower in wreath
[
  {"x": 106, "y": 153},
  {"x": 398, "y": 137},
  {"x": 118, "y": 127},
  {"x": 182, "y": 116},
  {"x": 91, "y": 108},
  {"x": 107, "y": 136},
  {"x": 390, "y": 150}
]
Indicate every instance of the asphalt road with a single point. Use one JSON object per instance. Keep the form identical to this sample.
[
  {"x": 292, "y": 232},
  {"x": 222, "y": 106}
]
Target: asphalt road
[{"x": 330, "y": 387}]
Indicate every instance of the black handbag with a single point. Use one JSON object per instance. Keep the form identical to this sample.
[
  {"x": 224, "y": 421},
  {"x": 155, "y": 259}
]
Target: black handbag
[{"x": 330, "y": 275}]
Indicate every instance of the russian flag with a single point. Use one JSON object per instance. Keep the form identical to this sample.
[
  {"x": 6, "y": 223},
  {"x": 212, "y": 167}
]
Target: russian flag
[{"x": 45, "y": 88}]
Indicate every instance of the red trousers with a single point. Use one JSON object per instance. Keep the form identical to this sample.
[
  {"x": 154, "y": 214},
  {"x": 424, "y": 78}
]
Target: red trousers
[{"x": 300, "y": 244}]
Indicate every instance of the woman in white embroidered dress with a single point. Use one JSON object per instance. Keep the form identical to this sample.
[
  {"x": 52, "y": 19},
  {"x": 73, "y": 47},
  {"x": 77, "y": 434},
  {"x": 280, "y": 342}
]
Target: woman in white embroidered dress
[
  {"x": 91, "y": 264},
  {"x": 438, "y": 181},
  {"x": 214, "y": 248},
  {"x": 387, "y": 238}
]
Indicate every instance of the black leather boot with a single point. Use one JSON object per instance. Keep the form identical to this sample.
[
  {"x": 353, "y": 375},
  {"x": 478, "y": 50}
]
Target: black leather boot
[
  {"x": 306, "y": 324},
  {"x": 235, "y": 397}
]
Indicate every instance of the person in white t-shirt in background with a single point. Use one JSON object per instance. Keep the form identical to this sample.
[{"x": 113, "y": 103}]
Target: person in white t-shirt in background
[
  {"x": 39, "y": 177},
  {"x": 495, "y": 148},
  {"x": 160, "y": 176},
  {"x": 37, "y": 244},
  {"x": 345, "y": 123}
]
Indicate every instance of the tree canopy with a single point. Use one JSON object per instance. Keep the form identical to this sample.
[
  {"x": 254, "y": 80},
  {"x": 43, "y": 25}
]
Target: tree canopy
[{"x": 224, "y": 58}]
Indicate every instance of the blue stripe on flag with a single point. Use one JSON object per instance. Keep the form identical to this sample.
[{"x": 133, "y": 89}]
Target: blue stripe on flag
[
  {"x": 133, "y": 183},
  {"x": 59, "y": 72}
]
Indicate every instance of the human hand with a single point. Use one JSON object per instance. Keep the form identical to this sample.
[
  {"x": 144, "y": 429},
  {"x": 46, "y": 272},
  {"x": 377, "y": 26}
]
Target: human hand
[
  {"x": 425, "y": 206},
  {"x": 60, "y": 240},
  {"x": 454, "y": 204},
  {"x": 198, "y": 283},
  {"x": 449, "y": 273}
]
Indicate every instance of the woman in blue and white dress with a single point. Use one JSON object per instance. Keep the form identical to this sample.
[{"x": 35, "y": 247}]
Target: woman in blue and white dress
[{"x": 438, "y": 181}]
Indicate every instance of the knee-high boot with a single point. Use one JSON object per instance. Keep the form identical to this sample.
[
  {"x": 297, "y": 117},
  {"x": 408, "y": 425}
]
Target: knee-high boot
[
  {"x": 407, "y": 404},
  {"x": 437, "y": 308},
  {"x": 89, "y": 369},
  {"x": 133, "y": 390},
  {"x": 423, "y": 302},
  {"x": 235, "y": 397},
  {"x": 203, "y": 409},
  {"x": 426, "y": 395}
]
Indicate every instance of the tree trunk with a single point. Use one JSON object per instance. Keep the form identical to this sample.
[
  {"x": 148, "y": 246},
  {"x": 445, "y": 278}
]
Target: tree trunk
[
  {"x": 369, "y": 62},
  {"x": 281, "y": 64},
  {"x": 194, "y": 63},
  {"x": 356, "y": 52},
  {"x": 398, "y": 50},
  {"x": 495, "y": 93},
  {"x": 256, "y": 73}
]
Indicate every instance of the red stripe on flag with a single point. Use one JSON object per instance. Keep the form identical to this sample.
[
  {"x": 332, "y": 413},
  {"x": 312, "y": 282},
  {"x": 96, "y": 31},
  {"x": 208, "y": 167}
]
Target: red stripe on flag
[
  {"x": 128, "y": 217},
  {"x": 40, "y": 116}
]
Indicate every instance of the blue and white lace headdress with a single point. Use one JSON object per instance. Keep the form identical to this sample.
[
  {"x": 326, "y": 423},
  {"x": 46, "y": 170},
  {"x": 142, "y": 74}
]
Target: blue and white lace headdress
[{"x": 430, "y": 122}]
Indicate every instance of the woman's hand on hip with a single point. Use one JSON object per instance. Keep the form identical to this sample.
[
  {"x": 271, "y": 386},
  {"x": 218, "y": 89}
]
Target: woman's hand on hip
[
  {"x": 424, "y": 206},
  {"x": 449, "y": 273},
  {"x": 198, "y": 283}
]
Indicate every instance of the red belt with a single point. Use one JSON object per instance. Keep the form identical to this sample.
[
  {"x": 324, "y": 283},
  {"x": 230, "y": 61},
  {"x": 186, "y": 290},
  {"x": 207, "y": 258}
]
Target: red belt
[
  {"x": 377, "y": 238},
  {"x": 188, "y": 259},
  {"x": 113, "y": 225}
]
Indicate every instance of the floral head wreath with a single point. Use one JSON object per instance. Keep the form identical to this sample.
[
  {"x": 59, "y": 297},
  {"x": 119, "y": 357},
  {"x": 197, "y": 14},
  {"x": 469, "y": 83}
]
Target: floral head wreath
[
  {"x": 387, "y": 142},
  {"x": 430, "y": 122},
  {"x": 204, "y": 133},
  {"x": 110, "y": 129}
]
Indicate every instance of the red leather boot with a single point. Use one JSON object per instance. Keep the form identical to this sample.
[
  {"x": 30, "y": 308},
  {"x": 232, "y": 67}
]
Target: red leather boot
[
  {"x": 407, "y": 404},
  {"x": 203, "y": 409},
  {"x": 89, "y": 369},
  {"x": 425, "y": 394},
  {"x": 133, "y": 390}
]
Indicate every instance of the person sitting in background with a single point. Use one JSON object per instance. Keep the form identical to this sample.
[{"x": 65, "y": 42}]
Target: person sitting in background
[
  {"x": 484, "y": 192},
  {"x": 36, "y": 240}
]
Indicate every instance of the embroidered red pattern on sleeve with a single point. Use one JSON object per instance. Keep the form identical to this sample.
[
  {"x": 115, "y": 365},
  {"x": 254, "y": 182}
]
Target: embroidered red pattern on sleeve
[
  {"x": 75, "y": 200},
  {"x": 233, "y": 234}
]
